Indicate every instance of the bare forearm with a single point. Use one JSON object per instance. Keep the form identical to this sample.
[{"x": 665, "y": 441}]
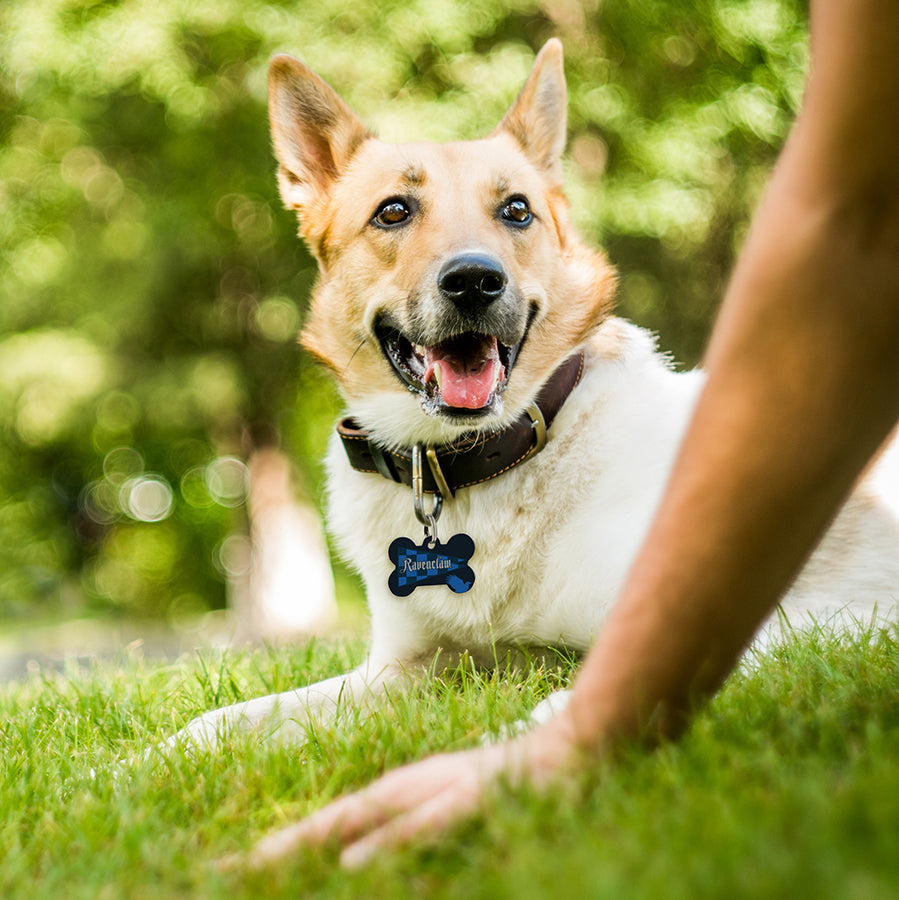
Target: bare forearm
[{"x": 803, "y": 386}]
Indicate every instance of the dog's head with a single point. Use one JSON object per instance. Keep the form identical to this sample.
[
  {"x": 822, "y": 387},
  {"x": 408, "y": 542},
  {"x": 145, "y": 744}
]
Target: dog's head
[{"x": 451, "y": 282}]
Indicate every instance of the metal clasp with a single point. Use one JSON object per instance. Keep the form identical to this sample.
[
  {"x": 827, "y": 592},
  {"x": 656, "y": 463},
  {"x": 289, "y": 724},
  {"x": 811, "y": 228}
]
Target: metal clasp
[
  {"x": 428, "y": 519},
  {"x": 539, "y": 425}
]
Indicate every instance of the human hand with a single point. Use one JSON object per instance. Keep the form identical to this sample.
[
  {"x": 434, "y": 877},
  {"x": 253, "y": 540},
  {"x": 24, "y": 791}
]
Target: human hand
[{"x": 420, "y": 801}]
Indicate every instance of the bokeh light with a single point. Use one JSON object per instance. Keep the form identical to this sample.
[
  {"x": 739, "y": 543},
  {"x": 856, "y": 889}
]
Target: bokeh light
[
  {"x": 147, "y": 498},
  {"x": 227, "y": 479}
]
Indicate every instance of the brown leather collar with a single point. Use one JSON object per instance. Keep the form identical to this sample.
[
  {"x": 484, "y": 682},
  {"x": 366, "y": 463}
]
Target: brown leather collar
[{"x": 475, "y": 458}]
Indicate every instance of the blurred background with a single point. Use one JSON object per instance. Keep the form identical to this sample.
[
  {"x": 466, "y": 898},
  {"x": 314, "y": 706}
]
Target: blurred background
[{"x": 160, "y": 429}]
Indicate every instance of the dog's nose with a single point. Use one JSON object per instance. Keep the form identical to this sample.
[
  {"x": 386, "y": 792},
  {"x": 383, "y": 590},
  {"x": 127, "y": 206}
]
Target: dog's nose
[{"x": 472, "y": 280}]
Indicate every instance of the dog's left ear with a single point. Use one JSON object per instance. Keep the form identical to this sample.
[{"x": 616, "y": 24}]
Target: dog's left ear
[{"x": 537, "y": 119}]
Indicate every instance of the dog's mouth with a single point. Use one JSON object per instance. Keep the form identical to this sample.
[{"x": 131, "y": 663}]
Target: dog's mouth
[{"x": 462, "y": 376}]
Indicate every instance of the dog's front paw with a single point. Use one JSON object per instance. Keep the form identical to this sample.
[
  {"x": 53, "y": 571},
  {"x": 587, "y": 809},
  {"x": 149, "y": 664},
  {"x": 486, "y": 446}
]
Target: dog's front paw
[
  {"x": 540, "y": 715},
  {"x": 274, "y": 720},
  {"x": 202, "y": 733}
]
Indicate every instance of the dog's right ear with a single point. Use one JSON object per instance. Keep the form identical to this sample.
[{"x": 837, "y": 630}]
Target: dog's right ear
[{"x": 314, "y": 132}]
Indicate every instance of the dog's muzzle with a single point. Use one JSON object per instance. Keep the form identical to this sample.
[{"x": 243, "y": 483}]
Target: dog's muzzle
[{"x": 482, "y": 326}]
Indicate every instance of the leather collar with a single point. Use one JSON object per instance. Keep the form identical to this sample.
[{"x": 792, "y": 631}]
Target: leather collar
[{"x": 473, "y": 458}]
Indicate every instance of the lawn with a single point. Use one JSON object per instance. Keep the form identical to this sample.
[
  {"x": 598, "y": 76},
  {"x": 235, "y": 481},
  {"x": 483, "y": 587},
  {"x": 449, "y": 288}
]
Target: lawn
[{"x": 786, "y": 786}]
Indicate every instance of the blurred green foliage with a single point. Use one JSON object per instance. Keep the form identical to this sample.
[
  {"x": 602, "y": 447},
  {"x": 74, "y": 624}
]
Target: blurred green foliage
[{"x": 151, "y": 285}]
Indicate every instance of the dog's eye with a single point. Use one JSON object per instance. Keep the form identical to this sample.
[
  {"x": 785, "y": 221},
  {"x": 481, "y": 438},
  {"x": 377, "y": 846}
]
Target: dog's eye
[
  {"x": 391, "y": 213},
  {"x": 517, "y": 211}
]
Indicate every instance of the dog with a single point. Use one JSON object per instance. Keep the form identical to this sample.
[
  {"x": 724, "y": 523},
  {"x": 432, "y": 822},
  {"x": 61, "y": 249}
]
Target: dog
[{"x": 507, "y": 437}]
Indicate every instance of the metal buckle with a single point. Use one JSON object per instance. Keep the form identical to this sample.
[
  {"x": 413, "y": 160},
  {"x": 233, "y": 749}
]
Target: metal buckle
[{"x": 539, "y": 425}]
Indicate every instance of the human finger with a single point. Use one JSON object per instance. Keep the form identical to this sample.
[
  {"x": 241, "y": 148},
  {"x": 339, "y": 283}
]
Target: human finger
[
  {"x": 341, "y": 821},
  {"x": 424, "y": 821}
]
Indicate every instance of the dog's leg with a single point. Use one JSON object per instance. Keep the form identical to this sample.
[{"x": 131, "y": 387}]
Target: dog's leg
[{"x": 285, "y": 718}]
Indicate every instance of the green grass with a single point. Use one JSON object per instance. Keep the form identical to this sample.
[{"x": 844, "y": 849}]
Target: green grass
[{"x": 786, "y": 786}]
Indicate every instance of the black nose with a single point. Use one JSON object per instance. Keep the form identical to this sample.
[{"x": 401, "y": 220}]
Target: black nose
[{"x": 471, "y": 280}]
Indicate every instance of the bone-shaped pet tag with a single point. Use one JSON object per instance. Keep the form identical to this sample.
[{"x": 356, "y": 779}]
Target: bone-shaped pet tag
[{"x": 429, "y": 563}]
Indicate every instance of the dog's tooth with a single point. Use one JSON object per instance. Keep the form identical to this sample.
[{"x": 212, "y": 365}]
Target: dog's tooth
[
  {"x": 433, "y": 373},
  {"x": 419, "y": 349}
]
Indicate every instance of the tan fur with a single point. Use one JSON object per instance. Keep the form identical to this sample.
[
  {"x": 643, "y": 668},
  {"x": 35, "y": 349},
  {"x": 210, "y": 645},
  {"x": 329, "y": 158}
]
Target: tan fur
[{"x": 364, "y": 271}]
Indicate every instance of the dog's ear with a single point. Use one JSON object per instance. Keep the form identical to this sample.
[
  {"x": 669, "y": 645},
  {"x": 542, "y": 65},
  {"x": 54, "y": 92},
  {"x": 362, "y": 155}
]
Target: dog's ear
[
  {"x": 314, "y": 132},
  {"x": 537, "y": 118}
]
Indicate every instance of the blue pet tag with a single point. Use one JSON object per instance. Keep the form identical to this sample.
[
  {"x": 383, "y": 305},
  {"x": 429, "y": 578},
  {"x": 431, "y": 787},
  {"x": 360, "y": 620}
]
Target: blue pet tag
[{"x": 431, "y": 562}]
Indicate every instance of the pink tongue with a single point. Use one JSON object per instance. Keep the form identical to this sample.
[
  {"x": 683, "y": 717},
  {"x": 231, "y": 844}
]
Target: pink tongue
[{"x": 464, "y": 381}]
